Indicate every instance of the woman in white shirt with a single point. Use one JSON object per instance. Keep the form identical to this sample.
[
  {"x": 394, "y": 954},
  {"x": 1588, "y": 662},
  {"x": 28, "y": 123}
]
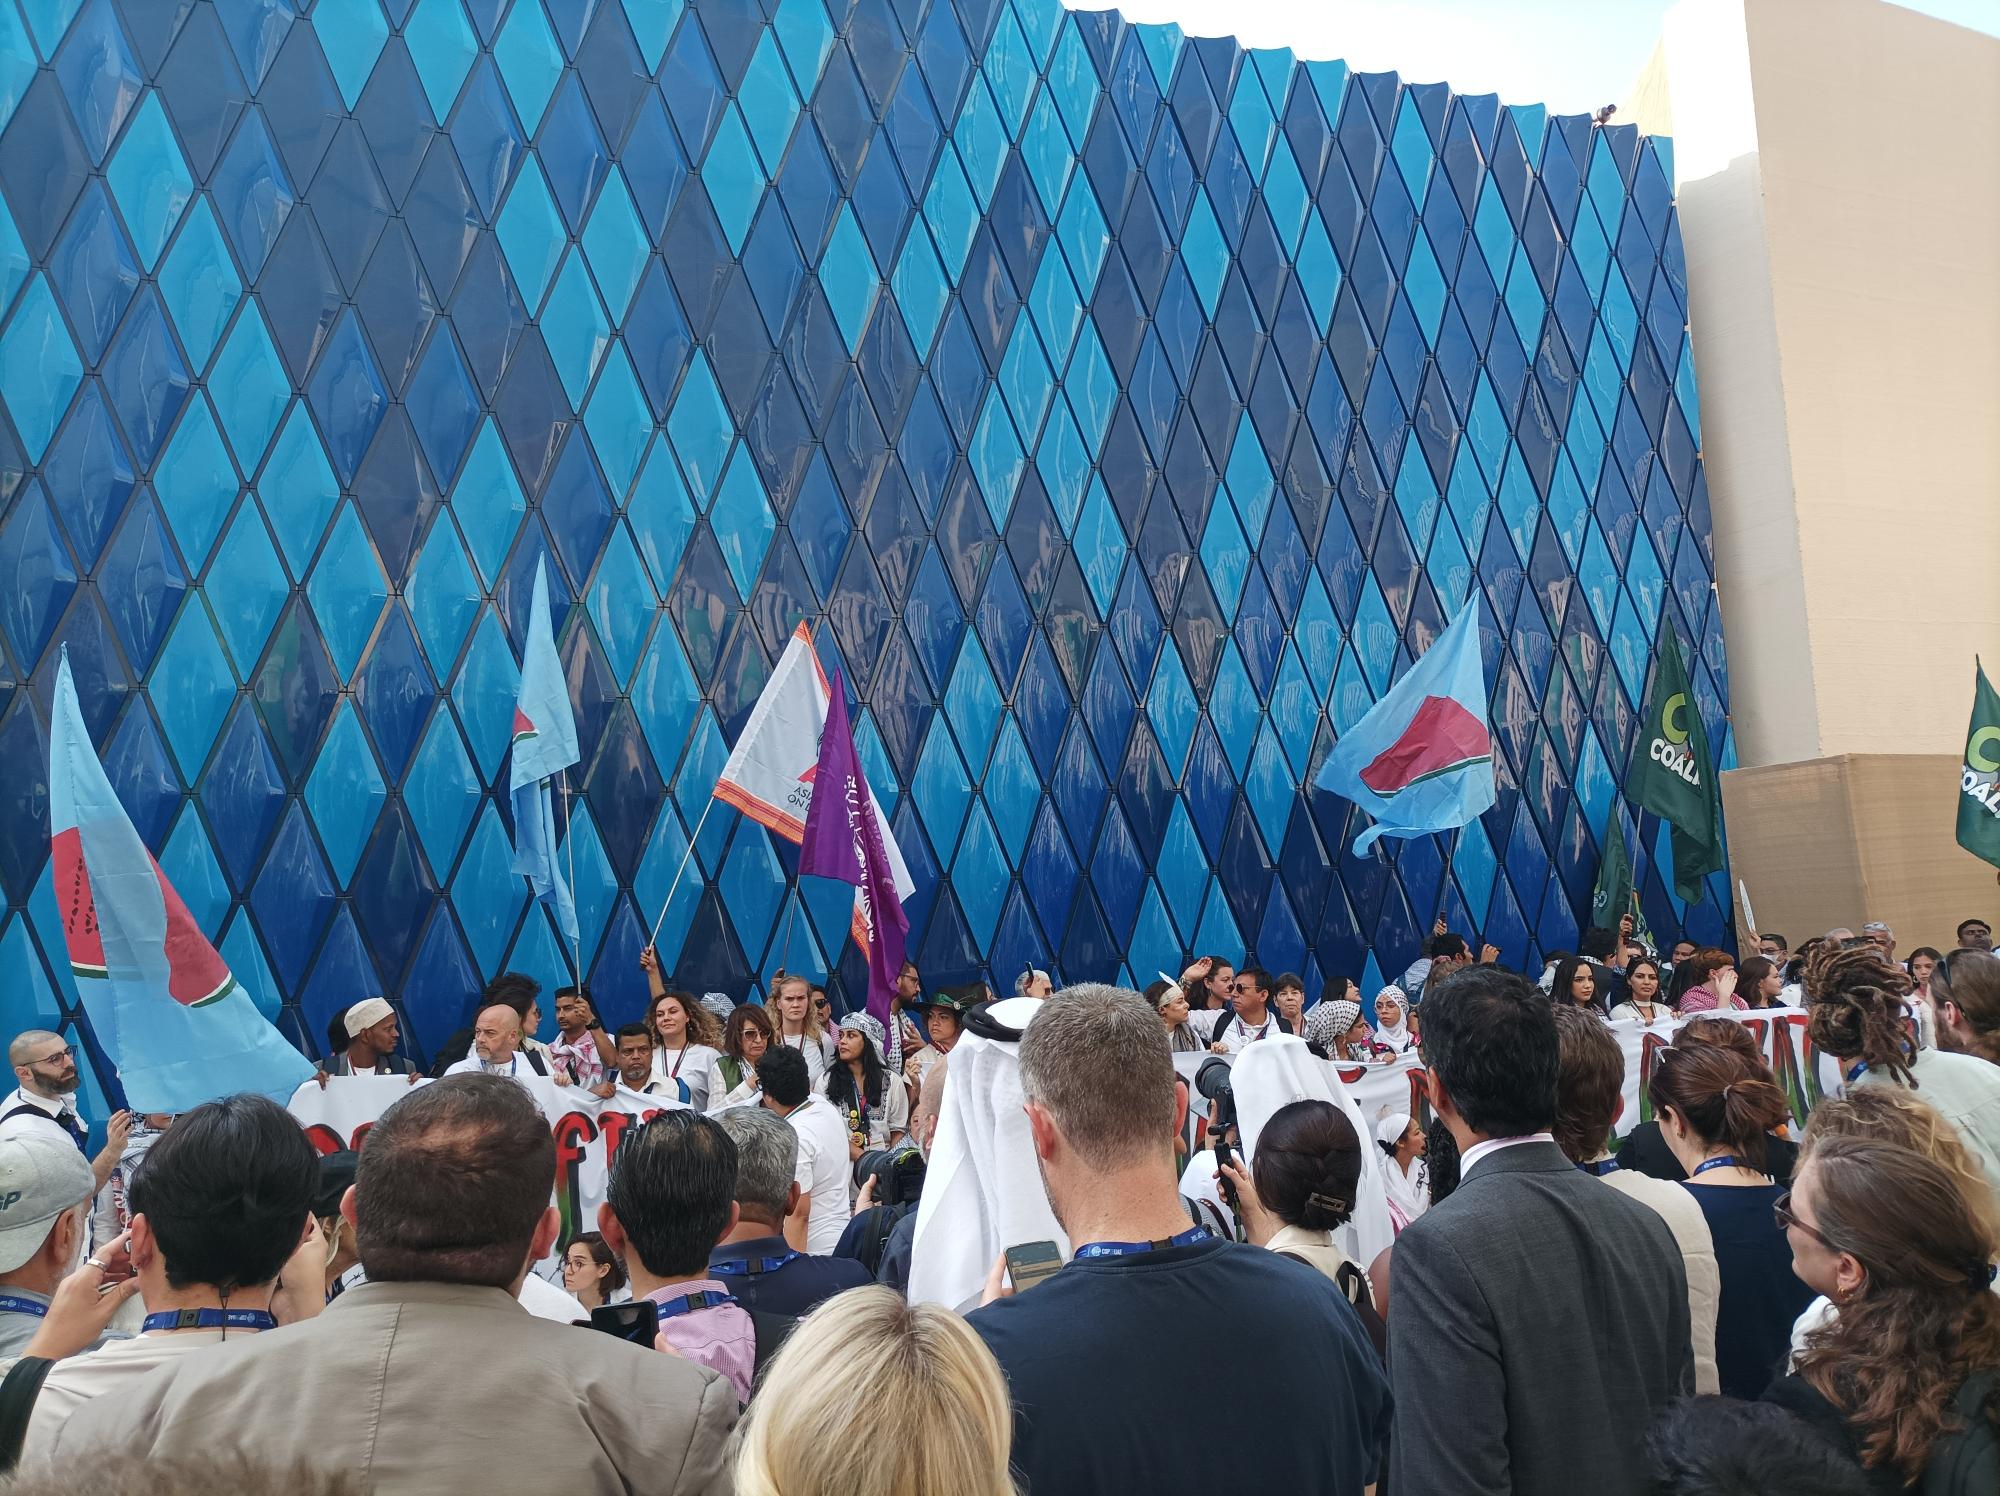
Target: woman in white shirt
[
  {"x": 1402, "y": 1141},
  {"x": 684, "y": 1052},
  {"x": 799, "y": 1027},
  {"x": 1642, "y": 993}
]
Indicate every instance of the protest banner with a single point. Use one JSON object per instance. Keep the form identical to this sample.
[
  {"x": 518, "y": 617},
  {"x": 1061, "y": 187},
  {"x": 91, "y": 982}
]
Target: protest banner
[
  {"x": 587, "y": 1129},
  {"x": 1800, "y": 1071}
]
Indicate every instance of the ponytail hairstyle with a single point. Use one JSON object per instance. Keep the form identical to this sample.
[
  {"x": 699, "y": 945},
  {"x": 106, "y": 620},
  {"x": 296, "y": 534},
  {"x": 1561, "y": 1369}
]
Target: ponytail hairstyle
[
  {"x": 1854, "y": 1009},
  {"x": 1725, "y": 1095},
  {"x": 1307, "y": 1167}
]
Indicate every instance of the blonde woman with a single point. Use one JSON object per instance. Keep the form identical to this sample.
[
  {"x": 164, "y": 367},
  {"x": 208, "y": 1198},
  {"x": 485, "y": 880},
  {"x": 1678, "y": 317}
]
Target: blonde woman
[
  {"x": 800, "y": 1025},
  {"x": 940, "y": 1423}
]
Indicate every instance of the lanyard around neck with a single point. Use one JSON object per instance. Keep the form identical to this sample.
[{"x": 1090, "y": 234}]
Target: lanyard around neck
[
  {"x": 1724, "y": 1161},
  {"x": 15, "y": 1304},
  {"x": 1193, "y": 1236},
  {"x": 210, "y": 1319}
]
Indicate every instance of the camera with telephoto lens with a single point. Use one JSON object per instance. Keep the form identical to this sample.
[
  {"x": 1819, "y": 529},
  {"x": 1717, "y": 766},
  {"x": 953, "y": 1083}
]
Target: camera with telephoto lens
[{"x": 898, "y": 1174}]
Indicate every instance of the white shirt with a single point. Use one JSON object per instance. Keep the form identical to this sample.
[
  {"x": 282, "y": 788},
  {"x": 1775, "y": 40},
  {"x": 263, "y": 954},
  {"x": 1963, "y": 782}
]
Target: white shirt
[
  {"x": 473, "y": 1065},
  {"x": 52, "y": 1107},
  {"x": 822, "y": 1171},
  {"x": 76, "y": 1380},
  {"x": 1228, "y": 1029},
  {"x": 689, "y": 1074},
  {"x": 884, "y": 1121},
  {"x": 816, "y": 1052},
  {"x": 1493, "y": 1145}
]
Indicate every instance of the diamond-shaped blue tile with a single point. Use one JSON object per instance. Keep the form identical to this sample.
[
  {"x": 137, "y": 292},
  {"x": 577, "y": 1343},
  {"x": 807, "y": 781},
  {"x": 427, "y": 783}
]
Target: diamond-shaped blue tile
[
  {"x": 345, "y": 793},
  {"x": 441, "y": 792},
  {"x": 442, "y": 46},
  {"x": 733, "y": 177},
  {"x": 249, "y": 387},
  {"x": 347, "y": 589},
  {"x": 347, "y": 396},
  {"x": 742, "y": 520},
  {"x": 530, "y": 232},
  {"x": 32, "y": 552},
  {"x": 618, "y": 421},
  {"x": 575, "y": 328},
  {"x": 39, "y": 369},
  {"x": 352, "y": 33},
  {"x": 615, "y": 244},
  {"x": 246, "y": 586}
]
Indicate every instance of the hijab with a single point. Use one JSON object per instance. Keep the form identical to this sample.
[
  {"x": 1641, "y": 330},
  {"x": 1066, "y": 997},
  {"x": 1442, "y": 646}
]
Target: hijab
[{"x": 1396, "y": 1036}]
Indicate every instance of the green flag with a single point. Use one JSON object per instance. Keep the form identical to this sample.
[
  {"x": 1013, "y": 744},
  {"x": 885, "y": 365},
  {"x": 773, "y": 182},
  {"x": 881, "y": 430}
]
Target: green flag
[
  {"x": 1672, "y": 774},
  {"x": 1979, "y": 788},
  {"x": 1613, "y": 895}
]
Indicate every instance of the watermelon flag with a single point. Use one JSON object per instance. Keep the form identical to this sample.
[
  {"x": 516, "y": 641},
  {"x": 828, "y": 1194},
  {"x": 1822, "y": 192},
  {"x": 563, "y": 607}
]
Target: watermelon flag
[
  {"x": 843, "y": 839},
  {"x": 177, "y": 1027},
  {"x": 544, "y": 746},
  {"x": 1422, "y": 759},
  {"x": 1979, "y": 777}
]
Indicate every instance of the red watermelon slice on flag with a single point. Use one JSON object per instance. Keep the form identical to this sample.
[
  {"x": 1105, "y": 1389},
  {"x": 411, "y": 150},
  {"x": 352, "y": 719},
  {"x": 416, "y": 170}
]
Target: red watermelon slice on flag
[
  {"x": 195, "y": 973},
  {"x": 1442, "y": 736}
]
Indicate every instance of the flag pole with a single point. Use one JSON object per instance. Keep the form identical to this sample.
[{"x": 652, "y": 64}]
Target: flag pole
[
  {"x": 569, "y": 844},
  {"x": 673, "y": 888}
]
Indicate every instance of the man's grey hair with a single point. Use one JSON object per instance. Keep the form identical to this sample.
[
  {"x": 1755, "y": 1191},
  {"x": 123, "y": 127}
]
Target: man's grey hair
[
  {"x": 1028, "y": 979},
  {"x": 1098, "y": 1059},
  {"x": 767, "y": 1157},
  {"x": 27, "y": 1042}
]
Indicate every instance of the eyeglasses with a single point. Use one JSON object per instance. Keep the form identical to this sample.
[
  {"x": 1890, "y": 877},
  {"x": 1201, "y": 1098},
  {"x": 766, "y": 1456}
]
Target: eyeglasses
[
  {"x": 1781, "y": 1211},
  {"x": 67, "y": 1052}
]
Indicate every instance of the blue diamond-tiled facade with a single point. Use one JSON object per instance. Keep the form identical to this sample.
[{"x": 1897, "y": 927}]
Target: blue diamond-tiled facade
[{"x": 1123, "y": 411}]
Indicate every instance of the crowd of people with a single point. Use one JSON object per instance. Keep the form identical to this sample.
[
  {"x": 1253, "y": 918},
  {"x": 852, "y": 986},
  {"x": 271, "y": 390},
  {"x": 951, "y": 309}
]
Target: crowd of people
[{"x": 1724, "y": 1298}]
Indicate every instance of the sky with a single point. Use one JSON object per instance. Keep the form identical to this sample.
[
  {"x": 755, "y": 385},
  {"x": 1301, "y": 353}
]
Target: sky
[{"x": 1572, "y": 55}]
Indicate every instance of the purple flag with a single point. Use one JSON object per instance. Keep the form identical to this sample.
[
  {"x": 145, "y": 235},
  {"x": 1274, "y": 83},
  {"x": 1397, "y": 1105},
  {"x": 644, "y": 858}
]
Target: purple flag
[{"x": 843, "y": 840}]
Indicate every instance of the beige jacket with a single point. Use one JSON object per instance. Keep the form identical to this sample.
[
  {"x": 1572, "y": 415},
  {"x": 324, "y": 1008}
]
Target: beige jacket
[
  {"x": 432, "y": 1389},
  {"x": 1683, "y": 1216}
]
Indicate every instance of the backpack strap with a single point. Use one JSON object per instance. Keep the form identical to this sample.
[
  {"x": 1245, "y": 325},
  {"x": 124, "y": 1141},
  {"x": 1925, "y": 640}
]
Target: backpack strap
[{"x": 22, "y": 1385}]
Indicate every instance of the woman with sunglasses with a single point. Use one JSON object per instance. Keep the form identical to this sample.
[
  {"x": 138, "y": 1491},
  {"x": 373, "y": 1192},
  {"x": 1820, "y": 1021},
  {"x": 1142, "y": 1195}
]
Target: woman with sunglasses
[
  {"x": 1715, "y": 1105},
  {"x": 1906, "y": 1373}
]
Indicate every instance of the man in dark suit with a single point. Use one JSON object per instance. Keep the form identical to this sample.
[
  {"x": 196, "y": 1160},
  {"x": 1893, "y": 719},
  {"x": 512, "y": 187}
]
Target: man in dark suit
[{"x": 1540, "y": 1317}]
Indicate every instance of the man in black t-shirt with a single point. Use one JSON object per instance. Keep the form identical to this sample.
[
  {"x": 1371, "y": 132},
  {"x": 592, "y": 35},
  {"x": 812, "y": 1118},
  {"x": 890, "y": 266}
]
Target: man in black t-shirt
[{"x": 1096, "y": 1356}]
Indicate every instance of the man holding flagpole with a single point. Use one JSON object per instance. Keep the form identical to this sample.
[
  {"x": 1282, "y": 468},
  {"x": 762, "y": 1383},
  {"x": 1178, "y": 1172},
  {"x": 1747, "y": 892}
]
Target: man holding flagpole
[{"x": 544, "y": 747}]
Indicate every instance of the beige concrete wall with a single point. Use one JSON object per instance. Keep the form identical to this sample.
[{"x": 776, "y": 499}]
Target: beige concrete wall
[
  {"x": 1840, "y": 203},
  {"x": 1856, "y": 837}
]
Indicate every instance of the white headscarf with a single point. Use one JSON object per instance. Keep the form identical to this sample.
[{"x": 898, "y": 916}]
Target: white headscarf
[
  {"x": 1396, "y": 1036},
  {"x": 1409, "y": 1194}
]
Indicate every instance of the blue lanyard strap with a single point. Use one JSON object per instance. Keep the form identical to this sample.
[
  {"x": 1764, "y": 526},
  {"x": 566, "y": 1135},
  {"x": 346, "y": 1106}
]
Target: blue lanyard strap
[
  {"x": 1726, "y": 1161},
  {"x": 1193, "y": 1236},
  {"x": 751, "y": 1267},
  {"x": 210, "y": 1319},
  {"x": 1609, "y": 1166},
  {"x": 12, "y": 1304},
  {"x": 1860, "y": 1069},
  {"x": 687, "y": 1303}
]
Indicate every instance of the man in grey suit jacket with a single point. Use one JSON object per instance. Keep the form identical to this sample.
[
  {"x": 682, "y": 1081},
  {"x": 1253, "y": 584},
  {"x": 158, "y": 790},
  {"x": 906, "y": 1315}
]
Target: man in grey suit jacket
[
  {"x": 1539, "y": 1322},
  {"x": 431, "y": 1379}
]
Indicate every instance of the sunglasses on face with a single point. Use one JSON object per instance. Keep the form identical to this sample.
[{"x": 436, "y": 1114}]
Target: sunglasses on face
[{"x": 1781, "y": 1210}]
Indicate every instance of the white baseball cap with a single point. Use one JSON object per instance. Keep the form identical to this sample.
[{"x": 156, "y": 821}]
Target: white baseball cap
[{"x": 42, "y": 1174}]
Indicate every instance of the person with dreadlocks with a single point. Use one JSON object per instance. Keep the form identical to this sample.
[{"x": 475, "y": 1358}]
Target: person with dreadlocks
[{"x": 1855, "y": 1013}]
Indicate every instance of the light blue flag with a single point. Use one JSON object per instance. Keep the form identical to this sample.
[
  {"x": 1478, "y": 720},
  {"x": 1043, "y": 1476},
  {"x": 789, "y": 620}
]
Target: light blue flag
[
  {"x": 544, "y": 746},
  {"x": 1422, "y": 759},
  {"x": 161, "y": 1001}
]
